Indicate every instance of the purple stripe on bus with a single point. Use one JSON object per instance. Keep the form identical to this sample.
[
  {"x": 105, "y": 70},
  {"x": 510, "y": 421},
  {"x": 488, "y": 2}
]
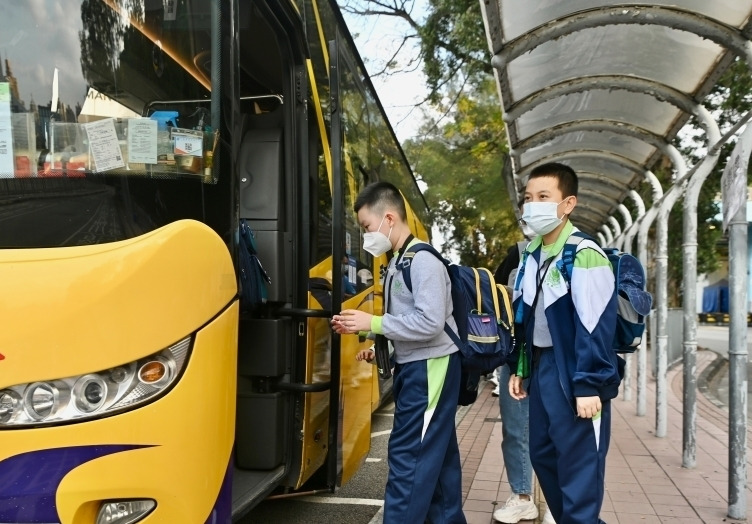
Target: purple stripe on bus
[
  {"x": 222, "y": 510},
  {"x": 29, "y": 481}
]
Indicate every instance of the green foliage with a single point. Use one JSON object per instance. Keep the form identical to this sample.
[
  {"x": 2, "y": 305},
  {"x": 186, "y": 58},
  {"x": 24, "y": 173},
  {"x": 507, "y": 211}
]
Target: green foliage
[
  {"x": 729, "y": 100},
  {"x": 461, "y": 164},
  {"x": 452, "y": 41},
  {"x": 448, "y": 34},
  {"x": 708, "y": 234}
]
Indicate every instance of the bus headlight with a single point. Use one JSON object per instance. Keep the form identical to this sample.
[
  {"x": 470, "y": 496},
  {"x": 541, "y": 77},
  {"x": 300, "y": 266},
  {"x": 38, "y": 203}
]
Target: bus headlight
[
  {"x": 9, "y": 405},
  {"x": 124, "y": 512},
  {"x": 43, "y": 399},
  {"x": 89, "y": 393},
  {"x": 93, "y": 394}
]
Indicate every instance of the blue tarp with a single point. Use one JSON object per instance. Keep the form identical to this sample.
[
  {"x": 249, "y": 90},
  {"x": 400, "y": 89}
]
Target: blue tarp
[{"x": 715, "y": 298}]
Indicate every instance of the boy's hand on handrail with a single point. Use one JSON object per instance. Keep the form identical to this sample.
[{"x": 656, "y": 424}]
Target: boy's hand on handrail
[{"x": 351, "y": 321}]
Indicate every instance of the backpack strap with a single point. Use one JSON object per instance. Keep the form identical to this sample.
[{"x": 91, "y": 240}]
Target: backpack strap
[
  {"x": 478, "y": 295},
  {"x": 407, "y": 259},
  {"x": 508, "y": 307},
  {"x": 568, "y": 254},
  {"x": 404, "y": 266}
]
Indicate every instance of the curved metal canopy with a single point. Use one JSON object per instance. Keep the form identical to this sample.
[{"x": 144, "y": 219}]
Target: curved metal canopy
[{"x": 605, "y": 86}]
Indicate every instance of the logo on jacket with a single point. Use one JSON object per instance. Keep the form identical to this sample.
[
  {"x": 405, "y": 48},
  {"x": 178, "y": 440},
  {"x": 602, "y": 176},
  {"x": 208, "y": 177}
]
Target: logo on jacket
[{"x": 2, "y": 357}]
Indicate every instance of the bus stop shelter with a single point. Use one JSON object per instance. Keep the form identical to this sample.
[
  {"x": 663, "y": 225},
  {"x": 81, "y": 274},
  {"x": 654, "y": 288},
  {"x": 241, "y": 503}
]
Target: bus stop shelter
[{"x": 606, "y": 87}]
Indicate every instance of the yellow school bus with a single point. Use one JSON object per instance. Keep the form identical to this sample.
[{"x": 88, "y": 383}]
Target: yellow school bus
[{"x": 135, "y": 137}]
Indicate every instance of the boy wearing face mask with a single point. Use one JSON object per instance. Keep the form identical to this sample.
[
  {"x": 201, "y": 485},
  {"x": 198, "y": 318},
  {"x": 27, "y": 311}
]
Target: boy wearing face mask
[
  {"x": 566, "y": 328},
  {"x": 424, "y": 482},
  {"x": 514, "y": 416}
]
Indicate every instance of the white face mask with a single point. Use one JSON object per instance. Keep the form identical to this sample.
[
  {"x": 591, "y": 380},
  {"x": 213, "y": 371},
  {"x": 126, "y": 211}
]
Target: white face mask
[
  {"x": 527, "y": 231},
  {"x": 376, "y": 242},
  {"x": 542, "y": 217}
]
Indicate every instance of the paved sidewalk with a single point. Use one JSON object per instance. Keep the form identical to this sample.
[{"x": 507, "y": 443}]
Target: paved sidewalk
[{"x": 645, "y": 482}]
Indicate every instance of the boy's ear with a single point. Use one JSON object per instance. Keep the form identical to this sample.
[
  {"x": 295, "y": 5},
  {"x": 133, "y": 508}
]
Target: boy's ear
[{"x": 570, "y": 204}]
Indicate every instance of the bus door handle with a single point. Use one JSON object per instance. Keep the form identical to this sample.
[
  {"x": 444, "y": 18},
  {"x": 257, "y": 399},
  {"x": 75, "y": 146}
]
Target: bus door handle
[
  {"x": 303, "y": 313},
  {"x": 304, "y": 388}
]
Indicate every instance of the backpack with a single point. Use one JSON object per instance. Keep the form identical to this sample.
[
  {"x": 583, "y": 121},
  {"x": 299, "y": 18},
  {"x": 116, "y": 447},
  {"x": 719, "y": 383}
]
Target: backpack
[
  {"x": 485, "y": 331},
  {"x": 521, "y": 245},
  {"x": 634, "y": 301},
  {"x": 254, "y": 280}
]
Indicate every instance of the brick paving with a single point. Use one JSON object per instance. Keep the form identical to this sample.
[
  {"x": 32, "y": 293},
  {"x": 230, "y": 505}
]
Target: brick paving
[{"x": 645, "y": 481}]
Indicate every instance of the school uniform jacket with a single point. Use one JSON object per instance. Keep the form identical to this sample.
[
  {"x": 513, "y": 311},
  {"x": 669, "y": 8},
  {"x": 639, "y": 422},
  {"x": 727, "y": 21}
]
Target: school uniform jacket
[{"x": 581, "y": 316}]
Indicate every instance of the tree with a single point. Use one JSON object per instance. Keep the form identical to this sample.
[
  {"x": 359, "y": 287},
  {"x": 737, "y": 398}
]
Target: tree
[
  {"x": 448, "y": 35},
  {"x": 460, "y": 162},
  {"x": 729, "y": 100}
]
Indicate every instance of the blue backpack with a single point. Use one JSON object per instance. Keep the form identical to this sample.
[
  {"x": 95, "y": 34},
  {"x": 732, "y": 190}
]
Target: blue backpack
[
  {"x": 485, "y": 331},
  {"x": 254, "y": 280},
  {"x": 634, "y": 301}
]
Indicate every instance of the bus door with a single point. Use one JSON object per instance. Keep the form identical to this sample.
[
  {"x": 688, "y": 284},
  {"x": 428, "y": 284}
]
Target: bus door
[{"x": 351, "y": 381}]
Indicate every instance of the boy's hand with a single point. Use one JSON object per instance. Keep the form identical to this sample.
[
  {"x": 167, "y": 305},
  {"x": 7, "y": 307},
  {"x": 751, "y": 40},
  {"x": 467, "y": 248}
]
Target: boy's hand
[
  {"x": 365, "y": 354},
  {"x": 516, "y": 391},
  {"x": 351, "y": 321},
  {"x": 588, "y": 407}
]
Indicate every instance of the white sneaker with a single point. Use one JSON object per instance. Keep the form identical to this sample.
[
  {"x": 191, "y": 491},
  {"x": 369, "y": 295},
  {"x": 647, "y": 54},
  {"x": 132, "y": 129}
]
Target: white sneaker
[
  {"x": 495, "y": 392},
  {"x": 516, "y": 509},
  {"x": 548, "y": 518},
  {"x": 493, "y": 380}
]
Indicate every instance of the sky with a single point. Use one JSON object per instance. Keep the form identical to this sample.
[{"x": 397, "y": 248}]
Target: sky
[{"x": 377, "y": 37}]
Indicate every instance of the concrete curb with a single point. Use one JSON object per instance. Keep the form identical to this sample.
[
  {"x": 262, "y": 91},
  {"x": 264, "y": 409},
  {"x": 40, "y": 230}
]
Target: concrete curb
[{"x": 707, "y": 377}]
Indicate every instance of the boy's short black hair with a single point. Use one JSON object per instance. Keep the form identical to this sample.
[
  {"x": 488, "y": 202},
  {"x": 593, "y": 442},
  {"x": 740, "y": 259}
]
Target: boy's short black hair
[
  {"x": 380, "y": 196},
  {"x": 564, "y": 175}
]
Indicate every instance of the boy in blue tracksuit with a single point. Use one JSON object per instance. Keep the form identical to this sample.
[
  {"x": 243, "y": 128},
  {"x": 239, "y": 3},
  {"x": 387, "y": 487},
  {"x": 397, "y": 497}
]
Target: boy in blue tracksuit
[
  {"x": 567, "y": 328},
  {"x": 425, "y": 480}
]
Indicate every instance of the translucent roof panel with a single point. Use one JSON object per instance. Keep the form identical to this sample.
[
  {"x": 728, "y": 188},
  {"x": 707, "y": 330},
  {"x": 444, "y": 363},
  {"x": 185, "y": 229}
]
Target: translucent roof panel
[
  {"x": 606, "y": 86},
  {"x": 614, "y": 50},
  {"x": 620, "y": 145},
  {"x": 638, "y": 109},
  {"x": 517, "y": 19}
]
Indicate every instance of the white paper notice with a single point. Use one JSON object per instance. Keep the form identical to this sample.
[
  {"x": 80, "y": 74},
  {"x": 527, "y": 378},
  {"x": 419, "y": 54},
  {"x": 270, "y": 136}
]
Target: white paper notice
[
  {"x": 6, "y": 133},
  {"x": 188, "y": 142},
  {"x": 142, "y": 141},
  {"x": 103, "y": 143}
]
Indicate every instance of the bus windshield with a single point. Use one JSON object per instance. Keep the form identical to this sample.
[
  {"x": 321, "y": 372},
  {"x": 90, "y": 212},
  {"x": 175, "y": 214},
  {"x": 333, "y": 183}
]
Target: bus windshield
[
  {"x": 115, "y": 86},
  {"x": 107, "y": 126}
]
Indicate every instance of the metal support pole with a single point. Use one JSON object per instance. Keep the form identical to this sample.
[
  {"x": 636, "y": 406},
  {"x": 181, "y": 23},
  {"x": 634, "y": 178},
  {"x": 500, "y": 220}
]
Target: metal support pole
[
  {"x": 738, "y": 260},
  {"x": 734, "y": 190},
  {"x": 661, "y": 300},
  {"x": 632, "y": 231},
  {"x": 689, "y": 268},
  {"x": 642, "y": 250},
  {"x": 615, "y": 225},
  {"x": 627, "y": 358},
  {"x": 642, "y": 351},
  {"x": 689, "y": 417}
]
